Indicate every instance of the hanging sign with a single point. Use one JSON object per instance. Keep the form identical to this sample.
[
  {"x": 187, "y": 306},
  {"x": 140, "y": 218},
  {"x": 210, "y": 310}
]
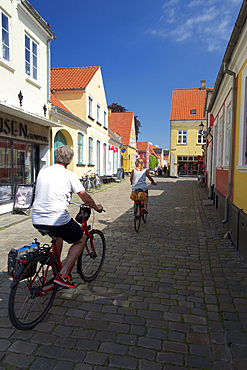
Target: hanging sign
[{"x": 123, "y": 150}]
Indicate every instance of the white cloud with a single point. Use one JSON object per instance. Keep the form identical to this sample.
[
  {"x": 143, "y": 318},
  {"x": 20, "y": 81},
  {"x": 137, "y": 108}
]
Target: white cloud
[{"x": 210, "y": 25}]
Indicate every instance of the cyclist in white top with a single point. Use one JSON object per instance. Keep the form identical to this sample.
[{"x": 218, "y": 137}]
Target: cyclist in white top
[
  {"x": 138, "y": 179},
  {"x": 54, "y": 188}
]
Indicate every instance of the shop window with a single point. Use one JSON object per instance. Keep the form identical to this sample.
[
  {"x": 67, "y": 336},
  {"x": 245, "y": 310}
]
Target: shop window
[
  {"x": 196, "y": 158},
  {"x": 182, "y": 137},
  {"x": 31, "y": 57},
  {"x": 5, "y": 36},
  {"x": 179, "y": 158},
  {"x": 80, "y": 148},
  {"x": 184, "y": 158},
  {"x": 190, "y": 158}
]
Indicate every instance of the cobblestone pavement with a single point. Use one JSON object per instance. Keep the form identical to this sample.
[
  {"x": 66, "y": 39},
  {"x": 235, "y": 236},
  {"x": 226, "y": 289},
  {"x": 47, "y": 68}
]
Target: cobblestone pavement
[{"x": 170, "y": 297}]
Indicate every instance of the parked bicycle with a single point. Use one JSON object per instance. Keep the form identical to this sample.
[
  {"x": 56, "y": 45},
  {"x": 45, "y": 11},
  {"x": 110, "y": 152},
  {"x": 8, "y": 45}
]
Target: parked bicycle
[
  {"x": 34, "y": 267},
  {"x": 139, "y": 213},
  {"x": 97, "y": 182},
  {"x": 88, "y": 183}
]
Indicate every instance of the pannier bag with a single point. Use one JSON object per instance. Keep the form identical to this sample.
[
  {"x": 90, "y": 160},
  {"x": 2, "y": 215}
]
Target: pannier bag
[
  {"x": 138, "y": 196},
  {"x": 20, "y": 253}
]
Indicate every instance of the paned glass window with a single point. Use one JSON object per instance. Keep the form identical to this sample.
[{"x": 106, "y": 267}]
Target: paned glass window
[
  {"x": 182, "y": 137},
  {"x": 90, "y": 150},
  {"x": 200, "y": 137},
  {"x": 90, "y": 107},
  {"x": 80, "y": 148},
  {"x": 98, "y": 113},
  {"x": 5, "y": 37},
  {"x": 31, "y": 57},
  {"x": 105, "y": 119}
]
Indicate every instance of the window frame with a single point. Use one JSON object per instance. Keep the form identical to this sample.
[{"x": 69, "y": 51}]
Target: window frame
[
  {"x": 182, "y": 134},
  {"x": 90, "y": 150},
  {"x": 31, "y": 55},
  {"x": 90, "y": 106},
  {"x": 200, "y": 136},
  {"x": 242, "y": 139},
  {"x": 2, "y": 58},
  {"x": 105, "y": 123},
  {"x": 98, "y": 113},
  {"x": 80, "y": 145}
]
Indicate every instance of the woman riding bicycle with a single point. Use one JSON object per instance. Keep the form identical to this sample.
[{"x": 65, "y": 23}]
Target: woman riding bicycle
[
  {"x": 54, "y": 187},
  {"x": 138, "y": 179}
]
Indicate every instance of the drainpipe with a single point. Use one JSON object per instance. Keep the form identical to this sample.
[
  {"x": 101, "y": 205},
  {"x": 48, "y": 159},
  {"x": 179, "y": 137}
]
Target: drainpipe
[{"x": 233, "y": 74}]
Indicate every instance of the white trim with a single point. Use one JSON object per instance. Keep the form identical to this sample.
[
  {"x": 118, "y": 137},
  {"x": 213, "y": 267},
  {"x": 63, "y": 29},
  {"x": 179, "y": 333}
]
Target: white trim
[
  {"x": 242, "y": 168},
  {"x": 7, "y": 63},
  {"x": 99, "y": 121},
  {"x": 91, "y": 97},
  {"x": 105, "y": 114},
  {"x": 243, "y": 117},
  {"x": 84, "y": 147},
  {"x": 30, "y": 77}
]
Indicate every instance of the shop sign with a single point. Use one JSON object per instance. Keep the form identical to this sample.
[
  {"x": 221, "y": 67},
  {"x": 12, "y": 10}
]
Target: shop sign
[
  {"x": 200, "y": 159},
  {"x": 19, "y": 130}
]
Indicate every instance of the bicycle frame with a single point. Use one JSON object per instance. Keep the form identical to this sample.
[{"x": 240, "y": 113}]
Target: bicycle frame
[{"x": 55, "y": 255}]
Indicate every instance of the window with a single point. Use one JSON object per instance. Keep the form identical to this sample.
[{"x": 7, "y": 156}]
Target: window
[
  {"x": 184, "y": 158},
  {"x": 98, "y": 113},
  {"x": 179, "y": 158},
  {"x": 105, "y": 119},
  {"x": 227, "y": 136},
  {"x": 104, "y": 159},
  {"x": 90, "y": 107},
  {"x": 98, "y": 156},
  {"x": 80, "y": 148},
  {"x": 182, "y": 137},
  {"x": 143, "y": 156},
  {"x": 190, "y": 158},
  {"x": 193, "y": 111},
  {"x": 220, "y": 133},
  {"x": 31, "y": 57},
  {"x": 200, "y": 138},
  {"x": 242, "y": 138},
  {"x": 5, "y": 22},
  {"x": 90, "y": 150}
]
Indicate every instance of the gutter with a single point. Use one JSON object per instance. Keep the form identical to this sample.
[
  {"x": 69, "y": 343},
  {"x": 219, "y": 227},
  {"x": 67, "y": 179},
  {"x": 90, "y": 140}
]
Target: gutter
[{"x": 233, "y": 75}]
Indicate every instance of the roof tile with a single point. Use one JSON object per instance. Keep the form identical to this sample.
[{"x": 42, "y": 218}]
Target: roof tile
[
  {"x": 71, "y": 78},
  {"x": 121, "y": 124}
]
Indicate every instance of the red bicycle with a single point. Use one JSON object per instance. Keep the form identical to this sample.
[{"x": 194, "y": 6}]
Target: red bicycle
[
  {"x": 139, "y": 209},
  {"x": 34, "y": 267}
]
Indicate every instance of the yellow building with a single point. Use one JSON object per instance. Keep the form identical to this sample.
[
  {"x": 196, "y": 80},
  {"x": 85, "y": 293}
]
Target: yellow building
[
  {"x": 81, "y": 91},
  {"x": 123, "y": 125},
  {"x": 227, "y": 111},
  {"x": 186, "y": 137}
]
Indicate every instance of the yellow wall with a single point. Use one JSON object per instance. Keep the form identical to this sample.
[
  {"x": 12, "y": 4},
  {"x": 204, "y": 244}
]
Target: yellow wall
[
  {"x": 77, "y": 103},
  {"x": 191, "y": 148},
  {"x": 240, "y": 178},
  {"x": 127, "y": 166}
]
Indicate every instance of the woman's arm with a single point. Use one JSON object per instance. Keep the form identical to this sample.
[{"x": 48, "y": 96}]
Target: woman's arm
[
  {"x": 131, "y": 176},
  {"x": 150, "y": 178}
]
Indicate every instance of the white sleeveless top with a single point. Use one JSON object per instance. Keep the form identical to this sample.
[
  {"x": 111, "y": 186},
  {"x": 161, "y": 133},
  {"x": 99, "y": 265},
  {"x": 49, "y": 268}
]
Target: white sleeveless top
[{"x": 139, "y": 180}]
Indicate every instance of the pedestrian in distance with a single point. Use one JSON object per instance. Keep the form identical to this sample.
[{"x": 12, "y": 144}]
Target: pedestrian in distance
[
  {"x": 138, "y": 179},
  {"x": 54, "y": 188}
]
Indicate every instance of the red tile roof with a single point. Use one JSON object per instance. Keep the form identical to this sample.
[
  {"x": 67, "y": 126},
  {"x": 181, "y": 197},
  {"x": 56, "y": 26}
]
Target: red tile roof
[
  {"x": 185, "y": 100},
  {"x": 142, "y": 146},
  {"x": 151, "y": 150},
  {"x": 55, "y": 101},
  {"x": 121, "y": 124},
  {"x": 71, "y": 78}
]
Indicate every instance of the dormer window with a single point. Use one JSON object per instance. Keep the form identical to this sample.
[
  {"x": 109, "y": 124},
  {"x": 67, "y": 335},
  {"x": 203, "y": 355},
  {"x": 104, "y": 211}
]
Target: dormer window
[{"x": 193, "y": 111}]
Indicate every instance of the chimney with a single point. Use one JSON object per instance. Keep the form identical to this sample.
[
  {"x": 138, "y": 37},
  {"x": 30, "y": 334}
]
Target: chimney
[{"x": 203, "y": 87}]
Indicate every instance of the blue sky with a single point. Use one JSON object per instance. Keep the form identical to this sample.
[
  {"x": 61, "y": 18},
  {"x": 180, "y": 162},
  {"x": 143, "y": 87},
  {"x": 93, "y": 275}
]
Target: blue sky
[{"x": 145, "y": 48}]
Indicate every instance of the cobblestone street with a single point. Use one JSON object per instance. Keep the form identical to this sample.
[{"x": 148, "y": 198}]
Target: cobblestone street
[{"x": 172, "y": 296}]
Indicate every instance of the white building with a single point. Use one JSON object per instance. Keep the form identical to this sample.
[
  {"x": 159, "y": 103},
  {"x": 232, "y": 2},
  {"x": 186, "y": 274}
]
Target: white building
[{"x": 24, "y": 95}]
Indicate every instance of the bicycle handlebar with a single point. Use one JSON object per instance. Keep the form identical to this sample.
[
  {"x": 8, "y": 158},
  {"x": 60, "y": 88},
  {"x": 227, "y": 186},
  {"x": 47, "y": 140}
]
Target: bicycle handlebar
[{"x": 83, "y": 204}]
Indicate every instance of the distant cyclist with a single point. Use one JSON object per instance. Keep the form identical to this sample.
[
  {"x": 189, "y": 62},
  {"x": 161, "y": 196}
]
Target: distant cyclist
[
  {"x": 138, "y": 179},
  {"x": 54, "y": 187}
]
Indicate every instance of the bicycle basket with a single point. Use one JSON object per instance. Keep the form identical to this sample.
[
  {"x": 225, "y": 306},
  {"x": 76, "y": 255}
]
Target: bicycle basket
[{"x": 83, "y": 214}]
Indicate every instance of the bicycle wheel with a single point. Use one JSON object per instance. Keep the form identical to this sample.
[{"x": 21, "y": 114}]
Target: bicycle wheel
[
  {"x": 97, "y": 184},
  {"x": 137, "y": 216},
  {"x": 27, "y": 306},
  {"x": 144, "y": 217},
  {"x": 89, "y": 186},
  {"x": 89, "y": 264}
]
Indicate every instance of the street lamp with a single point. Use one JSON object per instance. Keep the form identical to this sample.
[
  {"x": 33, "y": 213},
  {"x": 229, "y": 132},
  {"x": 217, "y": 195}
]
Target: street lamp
[{"x": 201, "y": 127}]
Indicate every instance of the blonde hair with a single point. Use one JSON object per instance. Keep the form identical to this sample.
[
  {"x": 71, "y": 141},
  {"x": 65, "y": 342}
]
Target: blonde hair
[{"x": 140, "y": 161}]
